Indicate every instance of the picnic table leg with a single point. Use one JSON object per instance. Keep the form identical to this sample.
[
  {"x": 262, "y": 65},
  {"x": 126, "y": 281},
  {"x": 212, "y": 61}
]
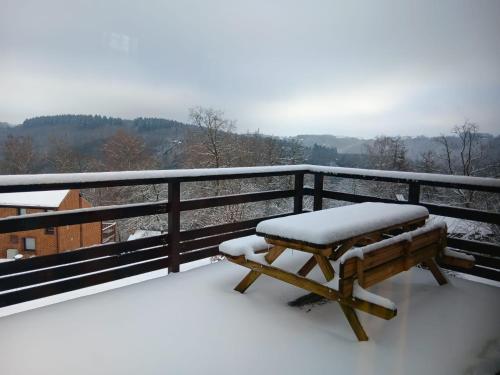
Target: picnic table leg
[
  {"x": 247, "y": 281},
  {"x": 306, "y": 268},
  {"x": 354, "y": 322},
  {"x": 250, "y": 278},
  {"x": 436, "y": 272},
  {"x": 325, "y": 266}
]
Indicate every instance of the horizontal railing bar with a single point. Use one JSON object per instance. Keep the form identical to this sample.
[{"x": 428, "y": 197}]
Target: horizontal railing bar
[
  {"x": 479, "y": 271},
  {"x": 191, "y": 256},
  {"x": 63, "y": 286},
  {"x": 224, "y": 228},
  {"x": 213, "y": 240},
  {"x": 81, "y": 215},
  {"x": 356, "y": 198},
  {"x": 18, "y": 183},
  {"x": 458, "y": 212},
  {"x": 75, "y": 269},
  {"x": 448, "y": 185},
  {"x": 199, "y": 203},
  {"x": 463, "y": 213},
  {"x": 486, "y": 248},
  {"x": 37, "y": 182},
  {"x": 487, "y": 261},
  {"x": 487, "y": 184},
  {"x": 54, "y": 260}
]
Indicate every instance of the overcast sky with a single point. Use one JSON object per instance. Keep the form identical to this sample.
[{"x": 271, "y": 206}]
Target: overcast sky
[{"x": 284, "y": 67}]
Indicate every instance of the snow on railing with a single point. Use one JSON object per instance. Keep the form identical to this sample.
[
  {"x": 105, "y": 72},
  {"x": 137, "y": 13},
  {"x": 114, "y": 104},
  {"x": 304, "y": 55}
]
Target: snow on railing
[{"x": 56, "y": 180}]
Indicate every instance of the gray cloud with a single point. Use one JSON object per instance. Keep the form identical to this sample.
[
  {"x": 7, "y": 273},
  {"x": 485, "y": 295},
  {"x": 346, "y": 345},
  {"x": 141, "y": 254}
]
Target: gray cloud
[{"x": 286, "y": 67}]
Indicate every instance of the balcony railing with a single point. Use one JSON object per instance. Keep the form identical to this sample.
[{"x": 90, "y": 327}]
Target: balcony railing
[{"x": 37, "y": 277}]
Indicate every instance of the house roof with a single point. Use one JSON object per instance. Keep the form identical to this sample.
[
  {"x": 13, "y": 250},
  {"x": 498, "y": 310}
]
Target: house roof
[{"x": 50, "y": 199}]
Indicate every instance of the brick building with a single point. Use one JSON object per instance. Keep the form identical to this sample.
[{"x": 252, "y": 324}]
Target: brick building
[{"x": 49, "y": 240}]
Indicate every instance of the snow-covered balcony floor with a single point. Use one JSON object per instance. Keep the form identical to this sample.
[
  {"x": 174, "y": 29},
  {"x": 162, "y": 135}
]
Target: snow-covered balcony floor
[{"x": 194, "y": 323}]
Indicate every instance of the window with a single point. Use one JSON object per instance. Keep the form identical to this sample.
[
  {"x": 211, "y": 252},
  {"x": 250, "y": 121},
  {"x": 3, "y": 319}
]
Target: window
[
  {"x": 50, "y": 230},
  {"x": 22, "y": 211},
  {"x": 13, "y": 239},
  {"x": 29, "y": 243}
]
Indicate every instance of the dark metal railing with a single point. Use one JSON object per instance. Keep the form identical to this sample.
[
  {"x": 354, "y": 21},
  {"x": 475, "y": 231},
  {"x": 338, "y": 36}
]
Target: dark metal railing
[{"x": 37, "y": 277}]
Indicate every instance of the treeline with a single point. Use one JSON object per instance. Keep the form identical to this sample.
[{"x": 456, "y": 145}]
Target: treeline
[{"x": 81, "y": 143}]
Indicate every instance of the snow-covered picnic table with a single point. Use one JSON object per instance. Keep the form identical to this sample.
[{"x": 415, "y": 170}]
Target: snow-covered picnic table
[
  {"x": 327, "y": 228},
  {"x": 355, "y": 247}
]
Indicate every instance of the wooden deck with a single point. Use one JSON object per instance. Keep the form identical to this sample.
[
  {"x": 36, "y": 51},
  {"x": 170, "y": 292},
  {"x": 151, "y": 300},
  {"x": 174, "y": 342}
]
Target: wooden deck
[{"x": 194, "y": 323}]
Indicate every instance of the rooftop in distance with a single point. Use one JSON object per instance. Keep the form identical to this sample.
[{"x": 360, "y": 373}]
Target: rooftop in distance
[
  {"x": 161, "y": 325},
  {"x": 45, "y": 199}
]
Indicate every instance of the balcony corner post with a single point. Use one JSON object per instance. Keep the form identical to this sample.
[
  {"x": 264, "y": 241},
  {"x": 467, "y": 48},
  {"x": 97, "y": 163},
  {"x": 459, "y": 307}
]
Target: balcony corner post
[
  {"x": 298, "y": 200},
  {"x": 414, "y": 193},
  {"x": 318, "y": 192},
  {"x": 174, "y": 200}
]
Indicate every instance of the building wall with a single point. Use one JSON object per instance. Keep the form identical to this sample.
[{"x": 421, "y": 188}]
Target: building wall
[
  {"x": 64, "y": 238},
  {"x": 91, "y": 232},
  {"x": 45, "y": 243}
]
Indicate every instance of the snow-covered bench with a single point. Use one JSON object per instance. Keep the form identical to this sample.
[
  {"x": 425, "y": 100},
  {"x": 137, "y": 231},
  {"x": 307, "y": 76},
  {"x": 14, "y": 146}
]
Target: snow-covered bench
[{"x": 355, "y": 270}]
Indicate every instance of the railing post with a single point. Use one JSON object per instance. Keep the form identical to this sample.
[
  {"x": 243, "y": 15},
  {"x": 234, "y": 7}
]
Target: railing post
[
  {"x": 318, "y": 192},
  {"x": 414, "y": 193},
  {"x": 174, "y": 219},
  {"x": 299, "y": 193}
]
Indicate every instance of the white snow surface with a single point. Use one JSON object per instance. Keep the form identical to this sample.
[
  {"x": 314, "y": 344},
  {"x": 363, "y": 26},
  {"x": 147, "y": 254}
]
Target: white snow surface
[
  {"x": 246, "y": 246},
  {"x": 10, "y": 180},
  {"x": 48, "y": 199},
  {"x": 152, "y": 327},
  {"x": 412, "y": 176},
  {"x": 336, "y": 224},
  {"x": 458, "y": 254},
  {"x": 142, "y": 233},
  {"x": 365, "y": 295},
  {"x": 359, "y": 252}
]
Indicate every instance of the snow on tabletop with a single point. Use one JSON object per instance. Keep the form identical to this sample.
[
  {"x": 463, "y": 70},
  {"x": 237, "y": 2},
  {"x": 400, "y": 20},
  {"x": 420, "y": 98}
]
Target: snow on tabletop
[
  {"x": 52, "y": 198},
  {"x": 336, "y": 224},
  {"x": 246, "y": 246},
  {"x": 458, "y": 254},
  {"x": 358, "y": 252}
]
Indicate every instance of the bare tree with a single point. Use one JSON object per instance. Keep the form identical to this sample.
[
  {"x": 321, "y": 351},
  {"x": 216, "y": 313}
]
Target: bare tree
[
  {"x": 124, "y": 151},
  {"x": 19, "y": 155},
  {"x": 389, "y": 153},
  {"x": 64, "y": 158},
  {"x": 212, "y": 146},
  {"x": 466, "y": 154}
]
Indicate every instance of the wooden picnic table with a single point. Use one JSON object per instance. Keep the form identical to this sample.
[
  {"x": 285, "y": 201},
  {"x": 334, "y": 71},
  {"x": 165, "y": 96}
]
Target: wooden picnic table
[
  {"x": 331, "y": 232},
  {"x": 327, "y": 235}
]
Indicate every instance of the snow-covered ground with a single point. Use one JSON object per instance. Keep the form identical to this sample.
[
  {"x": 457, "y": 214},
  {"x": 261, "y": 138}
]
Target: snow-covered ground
[{"x": 194, "y": 323}]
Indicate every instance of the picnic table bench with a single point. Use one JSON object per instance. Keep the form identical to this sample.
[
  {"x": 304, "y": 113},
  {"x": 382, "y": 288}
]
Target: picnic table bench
[{"x": 353, "y": 247}]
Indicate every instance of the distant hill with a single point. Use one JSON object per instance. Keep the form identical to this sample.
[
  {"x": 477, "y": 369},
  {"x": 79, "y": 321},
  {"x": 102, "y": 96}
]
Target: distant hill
[
  {"x": 88, "y": 132},
  {"x": 350, "y": 145},
  {"x": 344, "y": 145}
]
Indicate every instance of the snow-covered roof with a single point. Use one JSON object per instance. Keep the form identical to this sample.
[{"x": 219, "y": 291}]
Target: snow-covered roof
[
  {"x": 141, "y": 233},
  {"x": 135, "y": 323},
  {"x": 50, "y": 199}
]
